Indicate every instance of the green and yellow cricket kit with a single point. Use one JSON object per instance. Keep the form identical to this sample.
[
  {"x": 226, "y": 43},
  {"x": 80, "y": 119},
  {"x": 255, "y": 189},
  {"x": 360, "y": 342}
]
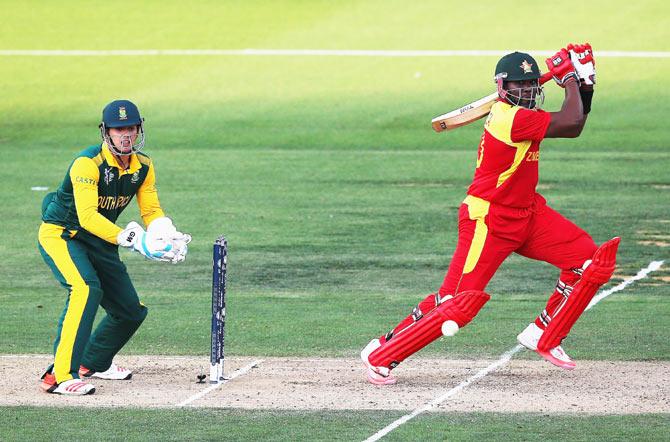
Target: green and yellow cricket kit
[{"x": 77, "y": 239}]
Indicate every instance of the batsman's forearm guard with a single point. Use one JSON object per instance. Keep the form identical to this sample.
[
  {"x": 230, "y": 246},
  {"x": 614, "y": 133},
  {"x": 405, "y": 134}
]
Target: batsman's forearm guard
[{"x": 587, "y": 96}]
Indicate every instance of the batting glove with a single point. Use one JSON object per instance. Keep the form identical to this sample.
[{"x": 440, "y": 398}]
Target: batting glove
[
  {"x": 561, "y": 68},
  {"x": 582, "y": 59}
]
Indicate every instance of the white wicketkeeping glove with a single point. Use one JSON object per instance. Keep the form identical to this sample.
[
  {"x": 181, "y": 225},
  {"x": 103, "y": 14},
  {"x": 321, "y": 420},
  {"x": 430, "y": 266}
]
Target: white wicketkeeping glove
[
  {"x": 162, "y": 229},
  {"x": 134, "y": 237}
]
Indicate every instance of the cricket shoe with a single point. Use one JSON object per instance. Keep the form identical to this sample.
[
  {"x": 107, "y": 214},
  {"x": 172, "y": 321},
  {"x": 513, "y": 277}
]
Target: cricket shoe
[
  {"x": 114, "y": 372},
  {"x": 71, "y": 387},
  {"x": 530, "y": 336},
  {"x": 376, "y": 375},
  {"x": 557, "y": 356}
]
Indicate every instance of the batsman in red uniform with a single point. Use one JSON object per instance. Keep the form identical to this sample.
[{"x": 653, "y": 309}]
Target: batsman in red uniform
[{"x": 503, "y": 214}]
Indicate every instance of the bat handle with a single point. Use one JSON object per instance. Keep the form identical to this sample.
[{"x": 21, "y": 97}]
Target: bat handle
[{"x": 545, "y": 77}]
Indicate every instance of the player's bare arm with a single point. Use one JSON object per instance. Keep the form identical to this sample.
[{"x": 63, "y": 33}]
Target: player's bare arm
[
  {"x": 574, "y": 70},
  {"x": 570, "y": 120}
]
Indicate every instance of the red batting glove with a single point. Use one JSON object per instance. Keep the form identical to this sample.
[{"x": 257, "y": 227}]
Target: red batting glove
[
  {"x": 584, "y": 51},
  {"x": 584, "y": 63},
  {"x": 561, "y": 68}
]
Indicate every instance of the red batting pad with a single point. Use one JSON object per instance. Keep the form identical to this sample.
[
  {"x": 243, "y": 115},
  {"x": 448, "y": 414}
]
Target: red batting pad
[
  {"x": 462, "y": 309},
  {"x": 595, "y": 275}
]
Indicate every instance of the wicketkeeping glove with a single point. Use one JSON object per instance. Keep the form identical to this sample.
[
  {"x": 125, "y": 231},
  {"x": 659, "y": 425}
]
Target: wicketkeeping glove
[
  {"x": 561, "y": 68},
  {"x": 162, "y": 229},
  {"x": 582, "y": 59},
  {"x": 134, "y": 237},
  {"x": 181, "y": 249}
]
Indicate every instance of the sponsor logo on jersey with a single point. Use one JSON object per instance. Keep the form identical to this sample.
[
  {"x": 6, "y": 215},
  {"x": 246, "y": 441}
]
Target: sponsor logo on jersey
[{"x": 85, "y": 180}]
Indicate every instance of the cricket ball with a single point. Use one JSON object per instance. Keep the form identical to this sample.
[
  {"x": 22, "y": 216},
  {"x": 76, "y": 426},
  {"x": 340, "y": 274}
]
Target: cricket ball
[{"x": 449, "y": 328}]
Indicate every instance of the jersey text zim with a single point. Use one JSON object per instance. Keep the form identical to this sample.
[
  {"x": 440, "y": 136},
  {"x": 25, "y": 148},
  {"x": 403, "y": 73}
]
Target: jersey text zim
[{"x": 533, "y": 156}]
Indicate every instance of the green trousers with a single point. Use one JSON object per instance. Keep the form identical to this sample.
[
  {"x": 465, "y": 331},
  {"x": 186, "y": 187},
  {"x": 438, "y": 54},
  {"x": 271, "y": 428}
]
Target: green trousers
[{"x": 90, "y": 268}]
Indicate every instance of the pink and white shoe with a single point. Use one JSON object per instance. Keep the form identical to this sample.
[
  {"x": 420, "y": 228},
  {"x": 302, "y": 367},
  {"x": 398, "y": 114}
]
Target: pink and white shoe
[
  {"x": 72, "y": 387},
  {"x": 114, "y": 372},
  {"x": 376, "y": 375},
  {"x": 557, "y": 356}
]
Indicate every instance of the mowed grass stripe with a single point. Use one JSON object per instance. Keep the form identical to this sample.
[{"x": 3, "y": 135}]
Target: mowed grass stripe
[
  {"x": 331, "y": 233},
  {"x": 36, "y": 424},
  {"x": 383, "y": 24}
]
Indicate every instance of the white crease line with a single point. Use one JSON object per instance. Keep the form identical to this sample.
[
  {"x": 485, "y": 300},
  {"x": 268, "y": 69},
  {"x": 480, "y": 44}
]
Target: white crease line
[
  {"x": 435, "y": 402},
  {"x": 504, "y": 359},
  {"x": 236, "y": 373},
  {"x": 652, "y": 267},
  {"x": 302, "y": 52}
]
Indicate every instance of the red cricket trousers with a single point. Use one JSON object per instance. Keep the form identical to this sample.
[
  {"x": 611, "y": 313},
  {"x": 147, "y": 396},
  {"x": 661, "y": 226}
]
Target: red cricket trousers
[{"x": 489, "y": 233}]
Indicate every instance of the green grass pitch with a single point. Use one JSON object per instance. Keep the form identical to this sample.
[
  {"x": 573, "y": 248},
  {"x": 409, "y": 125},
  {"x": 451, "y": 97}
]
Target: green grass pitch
[{"x": 338, "y": 200}]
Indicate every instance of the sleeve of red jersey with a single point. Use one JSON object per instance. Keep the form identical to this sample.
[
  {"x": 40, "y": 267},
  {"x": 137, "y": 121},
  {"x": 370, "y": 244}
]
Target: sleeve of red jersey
[{"x": 530, "y": 125}]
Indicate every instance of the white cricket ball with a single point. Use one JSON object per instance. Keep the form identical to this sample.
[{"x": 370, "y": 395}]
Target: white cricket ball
[{"x": 449, "y": 328}]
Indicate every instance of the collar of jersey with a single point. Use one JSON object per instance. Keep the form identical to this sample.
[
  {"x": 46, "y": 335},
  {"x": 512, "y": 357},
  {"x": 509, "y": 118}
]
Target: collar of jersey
[{"x": 134, "y": 166}]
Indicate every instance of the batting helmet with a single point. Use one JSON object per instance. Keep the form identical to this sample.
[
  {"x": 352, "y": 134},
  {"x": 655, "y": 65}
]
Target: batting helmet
[
  {"x": 519, "y": 66},
  {"x": 122, "y": 113}
]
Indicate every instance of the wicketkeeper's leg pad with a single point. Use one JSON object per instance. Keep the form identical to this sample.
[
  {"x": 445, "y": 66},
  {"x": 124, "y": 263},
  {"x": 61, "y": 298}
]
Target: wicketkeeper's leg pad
[
  {"x": 461, "y": 309},
  {"x": 595, "y": 274}
]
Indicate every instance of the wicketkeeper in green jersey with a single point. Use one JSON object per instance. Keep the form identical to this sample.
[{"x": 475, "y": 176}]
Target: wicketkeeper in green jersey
[{"x": 79, "y": 241}]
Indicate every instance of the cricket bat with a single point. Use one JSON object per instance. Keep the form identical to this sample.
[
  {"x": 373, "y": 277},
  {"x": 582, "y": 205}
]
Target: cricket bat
[{"x": 471, "y": 112}]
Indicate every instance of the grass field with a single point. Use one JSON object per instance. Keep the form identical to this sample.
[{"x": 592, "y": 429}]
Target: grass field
[
  {"x": 337, "y": 199},
  {"x": 130, "y": 425}
]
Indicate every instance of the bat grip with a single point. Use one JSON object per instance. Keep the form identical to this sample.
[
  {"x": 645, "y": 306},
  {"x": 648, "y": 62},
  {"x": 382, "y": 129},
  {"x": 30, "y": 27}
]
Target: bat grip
[{"x": 545, "y": 77}]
